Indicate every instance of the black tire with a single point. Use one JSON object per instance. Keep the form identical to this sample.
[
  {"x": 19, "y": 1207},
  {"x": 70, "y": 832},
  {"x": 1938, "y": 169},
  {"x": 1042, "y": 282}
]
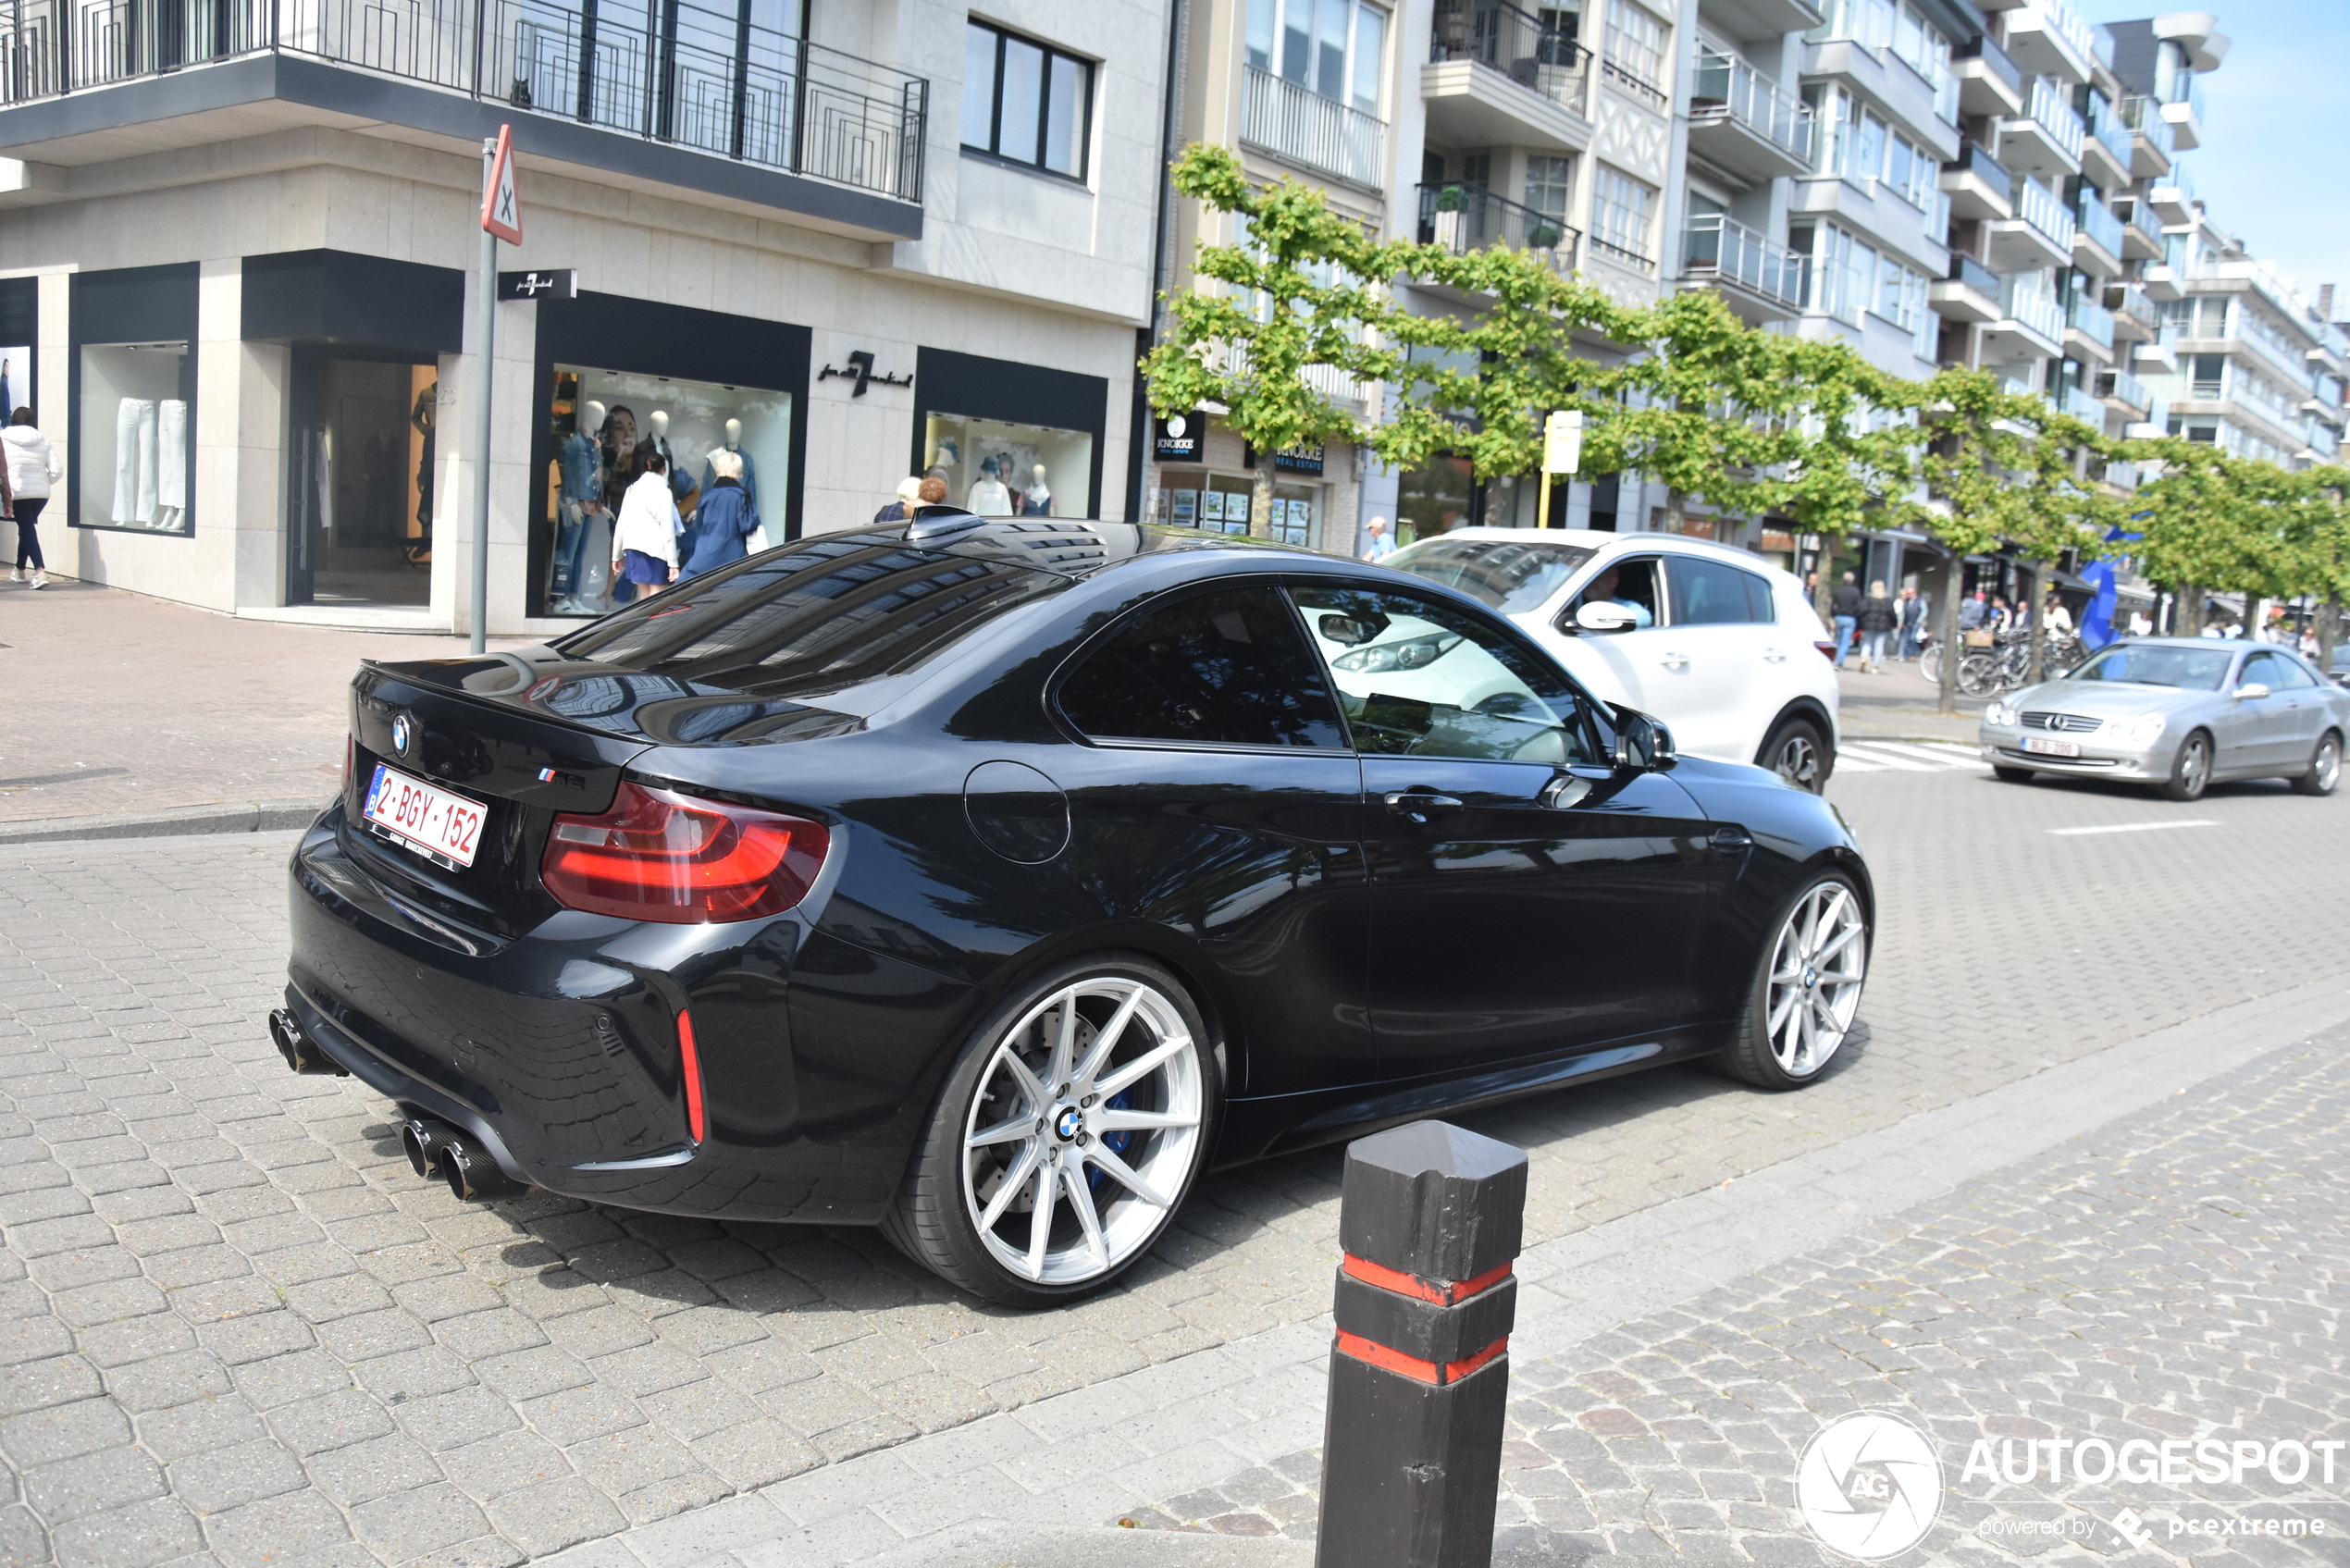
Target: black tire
[
  {"x": 932, "y": 1220},
  {"x": 1752, "y": 1055},
  {"x": 2325, "y": 767},
  {"x": 2013, "y": 776},
  {"x": 2191, "y": 769},
  {"x": 1799, "y": 753}
]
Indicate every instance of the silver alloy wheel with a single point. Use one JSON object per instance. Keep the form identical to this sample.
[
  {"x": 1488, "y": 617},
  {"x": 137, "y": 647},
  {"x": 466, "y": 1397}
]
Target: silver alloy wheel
[
  {"x": 1816, "y": 971},
  {"x": 1084, "y": 1128},
  {"x": 1799, "y": 762},
  {"x": 2327, "y": 770},
  {"x": 2194, "y": 765}
]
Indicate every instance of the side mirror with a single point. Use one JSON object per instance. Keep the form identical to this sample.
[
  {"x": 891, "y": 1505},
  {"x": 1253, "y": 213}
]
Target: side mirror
[
  {"x": 1642, "y": 745},
  {"x": 1351, "y": 630},
  {"x": 2251, "y": 691},
  {"x": 1604, "y": 616}
]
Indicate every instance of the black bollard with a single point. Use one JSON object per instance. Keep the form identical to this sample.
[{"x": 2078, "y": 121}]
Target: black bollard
[{"x": 1430, "y": 1218}]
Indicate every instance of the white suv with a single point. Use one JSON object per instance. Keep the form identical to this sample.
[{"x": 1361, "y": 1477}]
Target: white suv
[{"x": 1721, "y": 646}]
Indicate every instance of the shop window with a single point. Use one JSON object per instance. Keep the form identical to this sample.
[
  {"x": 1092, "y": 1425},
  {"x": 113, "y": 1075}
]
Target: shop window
[
  {"x": 15, "y": 378},
  {"x": 1293, "y": 515},
  {"x": 606, "y": 423},
  {"x": 1024, "y": 102},
  {"x": 1000, "y": 468},
  {"x": 137, "y": 436},
  {"x": 359, "y": 498}
]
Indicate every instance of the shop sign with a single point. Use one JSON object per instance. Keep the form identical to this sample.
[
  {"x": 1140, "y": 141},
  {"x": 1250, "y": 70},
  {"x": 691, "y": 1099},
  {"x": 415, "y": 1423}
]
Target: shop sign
[
  {"x": 542, "y": 283},
  {"x": 1181, "y": 437},
  {"x": 1299, "y": 459},
  {"x": 860, "y": 370}
]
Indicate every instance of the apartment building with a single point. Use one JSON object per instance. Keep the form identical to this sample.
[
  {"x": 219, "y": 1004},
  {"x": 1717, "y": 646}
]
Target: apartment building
[{"x": 845, "y": 242}]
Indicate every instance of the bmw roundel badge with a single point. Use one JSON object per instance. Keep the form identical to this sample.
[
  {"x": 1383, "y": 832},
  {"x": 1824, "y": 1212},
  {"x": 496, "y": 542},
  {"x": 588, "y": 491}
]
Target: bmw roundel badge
[{"x": 400, "y": 733}]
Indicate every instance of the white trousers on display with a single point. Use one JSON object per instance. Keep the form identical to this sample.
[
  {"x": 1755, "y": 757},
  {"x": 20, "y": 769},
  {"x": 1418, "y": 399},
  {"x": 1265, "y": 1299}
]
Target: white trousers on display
[
  {"x": 134, "y": 461},
  {"x": 171, "y": 464}
]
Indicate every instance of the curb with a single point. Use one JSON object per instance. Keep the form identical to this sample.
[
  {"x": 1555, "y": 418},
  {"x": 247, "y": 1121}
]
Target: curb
[{"x": 250, "y": 816}]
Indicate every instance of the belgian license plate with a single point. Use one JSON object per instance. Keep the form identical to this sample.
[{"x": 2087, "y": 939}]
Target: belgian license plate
[
  {"x": 418, "y": 816},
  {"x": 2042, "y": 746}
]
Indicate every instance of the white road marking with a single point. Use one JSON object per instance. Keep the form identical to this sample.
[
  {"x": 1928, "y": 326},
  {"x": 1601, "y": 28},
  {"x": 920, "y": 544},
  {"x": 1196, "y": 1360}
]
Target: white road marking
[
  {"x": 1886, "y": 756},
  {"x": 2136, "y": 827}
]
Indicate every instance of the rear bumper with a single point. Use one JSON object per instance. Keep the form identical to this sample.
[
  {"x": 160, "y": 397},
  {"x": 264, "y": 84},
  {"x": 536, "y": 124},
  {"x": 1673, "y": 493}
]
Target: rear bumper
[{"x": 557, "y": 1050}]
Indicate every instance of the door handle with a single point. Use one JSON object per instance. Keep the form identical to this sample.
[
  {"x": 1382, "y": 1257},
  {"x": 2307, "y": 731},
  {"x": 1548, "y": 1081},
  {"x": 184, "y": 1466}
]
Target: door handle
[
  {"x": 1417, "y": 803},
  {"x": 1674, "y": 660},
  {"x": 1731, "y": 839}
]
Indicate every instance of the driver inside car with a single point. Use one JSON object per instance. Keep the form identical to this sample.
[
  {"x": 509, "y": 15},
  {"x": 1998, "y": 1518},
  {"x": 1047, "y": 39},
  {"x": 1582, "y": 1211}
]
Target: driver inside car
[{"x": 1606, "y": 589}]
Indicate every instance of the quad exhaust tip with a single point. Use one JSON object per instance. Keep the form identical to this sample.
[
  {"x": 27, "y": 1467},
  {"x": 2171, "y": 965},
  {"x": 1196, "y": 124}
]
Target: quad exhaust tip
[
  {"x": 302, "y": 1053},
  {"x": 435, "y": 1149}
]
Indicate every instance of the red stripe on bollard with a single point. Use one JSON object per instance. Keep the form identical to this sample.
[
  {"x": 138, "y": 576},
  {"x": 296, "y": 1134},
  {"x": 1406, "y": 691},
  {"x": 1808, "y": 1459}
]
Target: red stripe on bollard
[
  {"x": 1404, "y": 1284},
  {"x": 1373, "y": 1353}
]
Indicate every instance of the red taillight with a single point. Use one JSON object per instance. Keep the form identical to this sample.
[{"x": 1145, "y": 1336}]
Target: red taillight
[
  {"x": 689, "y": 1069},
  {"x": 1827, "y": 650},
  {"x": 660, "y": 856}
]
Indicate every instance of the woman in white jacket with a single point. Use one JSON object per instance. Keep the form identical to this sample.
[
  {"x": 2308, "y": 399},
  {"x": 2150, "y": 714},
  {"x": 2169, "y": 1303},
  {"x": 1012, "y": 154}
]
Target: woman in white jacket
[
  {"x": 644, "y": 538},
  {"x": 32, "y": 468}
]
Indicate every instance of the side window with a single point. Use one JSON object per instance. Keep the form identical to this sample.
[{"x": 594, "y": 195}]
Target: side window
[
  {"x": 1225, "y": 668},
  {"x": 2267, "y": 669},
  {"x": 2291, "y": 674},
  {"x": 1710, "y": 593},
  {"x": 1418, "y": 678},
  {"x": 1760, "y": 606},
  {"x": 1632, "y": 584}
]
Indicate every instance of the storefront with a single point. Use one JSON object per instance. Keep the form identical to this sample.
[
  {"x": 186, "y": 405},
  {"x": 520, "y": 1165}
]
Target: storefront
[
  {"x": 1009, "y": 439},
  {"x": 1204, "y": 476},
  {"x": 131, "y": 405},
  {"x": 622, "y": 378}
]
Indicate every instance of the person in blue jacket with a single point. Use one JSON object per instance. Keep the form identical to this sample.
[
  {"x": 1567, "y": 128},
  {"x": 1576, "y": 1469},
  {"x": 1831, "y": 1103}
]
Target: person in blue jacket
[{"x": 724, "y": 519}]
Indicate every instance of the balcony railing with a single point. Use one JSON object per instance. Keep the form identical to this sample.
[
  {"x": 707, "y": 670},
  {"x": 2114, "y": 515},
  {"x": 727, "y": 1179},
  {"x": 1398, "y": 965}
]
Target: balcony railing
[
  {"x": 2044, "y": 211},
  {"x": 2090, "y": 318},
  {"x": 1716, "y": 246},
  {"x": 1727, "y": 85},
  {"x": 1537, "y": 52},
  {"x": 2097, "y": 220},
  {"x": 2129, "y": 300},
  {"x": 738, "y": 92},
  {"x": 1977, "y": 160},
  {"x": 2105, "y": 124},
  {"x": 2144, "y": 116},
  {"x": 2056, "y": 116},
  {"x": 2066, "y": 23},
  {"x": 2033, "y": 308},
  {"x": 2294, "y": 366},
  {"x": 2081, "y": 405},
  {"x": 2125, "y": 389},
  {"x": 1297, "y": 123},
  {"x": 1990, "y": 53},
  {"x": 1965, "y": 269},
  {"x": 1468, "y": 217}
]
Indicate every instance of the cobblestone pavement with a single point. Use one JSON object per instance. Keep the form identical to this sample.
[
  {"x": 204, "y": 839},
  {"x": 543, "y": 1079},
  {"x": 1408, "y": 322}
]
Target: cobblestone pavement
[
  {"x": 239, "y": 1325},
  {"x": 241, "y": 711},
  {"x": 2180, "y": 1276}
]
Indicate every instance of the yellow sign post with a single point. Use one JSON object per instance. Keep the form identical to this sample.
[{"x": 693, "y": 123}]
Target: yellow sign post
[{"x": 1562, "y": 453}]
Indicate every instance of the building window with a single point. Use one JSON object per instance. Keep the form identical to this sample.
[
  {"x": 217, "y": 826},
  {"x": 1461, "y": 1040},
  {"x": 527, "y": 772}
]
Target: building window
[
  {"x": 1636, "y": 45},
  {"x": 1025, "y": 101},
  {"x": 1549, "y": 181},
  {"x": 1620, "y": 209},
  {"x": 137, "y": 440},
  {"x": 1912, "y": 172},
  {"x": 1331, "y": 47}
]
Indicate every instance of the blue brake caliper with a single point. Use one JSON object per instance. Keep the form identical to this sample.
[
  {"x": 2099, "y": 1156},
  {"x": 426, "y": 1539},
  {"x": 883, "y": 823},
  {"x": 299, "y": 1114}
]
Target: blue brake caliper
[{"x": 1115, "y": 1142}]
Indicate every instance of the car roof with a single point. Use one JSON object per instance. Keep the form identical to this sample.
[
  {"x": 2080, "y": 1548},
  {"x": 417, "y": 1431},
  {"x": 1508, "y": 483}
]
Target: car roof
[
  {"x": 1074, "y": 548},
  {"x": 1594, "y": 538}
]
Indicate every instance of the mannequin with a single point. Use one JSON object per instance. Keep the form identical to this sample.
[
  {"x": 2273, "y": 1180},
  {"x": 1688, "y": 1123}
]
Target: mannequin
[
  {"x": 989, "y": 496},
  {"x": 749, "y": 475},
  {"x": 578, "y": 479},
  {"x": 1037, "y": 500},
  {"x": 681, "y": 488}
]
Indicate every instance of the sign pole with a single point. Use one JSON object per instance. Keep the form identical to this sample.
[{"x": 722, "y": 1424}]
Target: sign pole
[
  {"x": 1562, "y": 453},
  {"x": 500, "y": 218}
]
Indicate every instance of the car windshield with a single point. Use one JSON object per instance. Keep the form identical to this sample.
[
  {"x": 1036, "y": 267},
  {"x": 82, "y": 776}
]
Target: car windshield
[
  {"x": 1505, "y": 573},
  {"x": 2156, "y": 664}
]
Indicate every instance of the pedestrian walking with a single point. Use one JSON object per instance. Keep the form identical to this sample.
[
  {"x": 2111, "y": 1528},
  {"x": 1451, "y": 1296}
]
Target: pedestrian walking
[
  {"x": 1878, "y": 617},
  {"x": 31, "y": 468},
  {"x": 1844, "y": 606},
  {"x": 2059, "y": 619},
  {"x": 644, "y": 540},
  {"x": 909, "y": 496},
  {"x": 1913, "y": 615},
  {"x": 725, "y": 518},
  {"x": 1974, "y": 611},
  {"x": 1380, "y": 547}
]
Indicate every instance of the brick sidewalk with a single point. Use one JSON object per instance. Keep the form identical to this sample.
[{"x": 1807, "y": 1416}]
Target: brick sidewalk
[{"x": 118, "y": 703}]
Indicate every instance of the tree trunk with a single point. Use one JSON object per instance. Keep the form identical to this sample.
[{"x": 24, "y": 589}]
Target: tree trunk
[
  {"x": 1954, "y": 577},
  {"x": 1260, "y": 505},
  {"x": 1677, "y": 510},
  {"x": 1824, "y": 581},
  {"x": 2039, "y": 570},
  {"x": 2187, "y": 618},
  {"x": 2329, "y": 634}
]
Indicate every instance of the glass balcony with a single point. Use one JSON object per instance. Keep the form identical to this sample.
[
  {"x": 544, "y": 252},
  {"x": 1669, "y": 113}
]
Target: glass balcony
[
  {"x": 1715, "y": 246},
  {"x": 2097, "y": 220},
  {"x": 1975, "y": 159},
  {"x": 1539, "y": 53},
  {"x": 1974, "y": 275},
  {"x": 1297, "y": 123},
  {"x": 2083, "y": 405},
  {"x": 1994, "y": 57},
  {"x": 2143, "y": 116},
  {"x": 1727, "y": 84},
  {"x": 728, "y": 87},
  {"x": 2091, "y": 319},
  {"x": 2049, "y": 107},
  {"x": 2125, "y": 389},
  {"x": 2044, "y": 211},
  {"x": 2031, "y": 306},
  {"x": 2128, "y": 301},
  {"x": 2105, "y": 124},
  {"x": 1468, "y": 217}
]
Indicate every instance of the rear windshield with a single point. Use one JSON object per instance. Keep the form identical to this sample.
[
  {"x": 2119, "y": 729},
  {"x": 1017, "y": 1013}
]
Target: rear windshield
[
  {"x": 1505, "y": 573},
  {"x": 821, "y": 615},
  {"x": 2153, "y": 664}
]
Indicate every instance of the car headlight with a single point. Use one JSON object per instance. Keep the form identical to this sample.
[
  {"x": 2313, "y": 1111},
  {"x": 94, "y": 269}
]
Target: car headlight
[
  {"x": 1412, "y": 653},
  {"x": 2144, "y": 730},
  {"x": 1999, "y": 714}
]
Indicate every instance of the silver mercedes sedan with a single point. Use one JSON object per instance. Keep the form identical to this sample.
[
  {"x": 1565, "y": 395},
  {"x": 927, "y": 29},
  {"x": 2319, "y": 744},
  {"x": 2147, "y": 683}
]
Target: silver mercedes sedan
[{"x": 2178, "y": 714}]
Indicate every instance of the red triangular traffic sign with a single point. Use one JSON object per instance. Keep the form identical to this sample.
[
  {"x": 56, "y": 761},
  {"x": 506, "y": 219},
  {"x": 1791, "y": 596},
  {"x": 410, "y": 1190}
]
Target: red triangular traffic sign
[{"x": 499, "y": 213}]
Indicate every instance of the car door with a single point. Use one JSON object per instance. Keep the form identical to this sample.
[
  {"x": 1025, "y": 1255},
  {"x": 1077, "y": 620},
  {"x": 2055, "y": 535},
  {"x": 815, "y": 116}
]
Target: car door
[
  {"x": 1526, "y": 900},
  {"x": 2263, "y": 734},
  {"x": 2309, "y": 711},
  {"x": 1719, "y": 630},
  {"x": 1622, "y": 666},
  {"x": 1216, "y": 797}
]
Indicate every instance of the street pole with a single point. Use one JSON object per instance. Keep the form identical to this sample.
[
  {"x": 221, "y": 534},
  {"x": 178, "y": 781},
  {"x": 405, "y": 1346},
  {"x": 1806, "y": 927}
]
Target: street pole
[
  {"x": 487, "y": 337},
  {"x": 1562, "y": 453}
]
